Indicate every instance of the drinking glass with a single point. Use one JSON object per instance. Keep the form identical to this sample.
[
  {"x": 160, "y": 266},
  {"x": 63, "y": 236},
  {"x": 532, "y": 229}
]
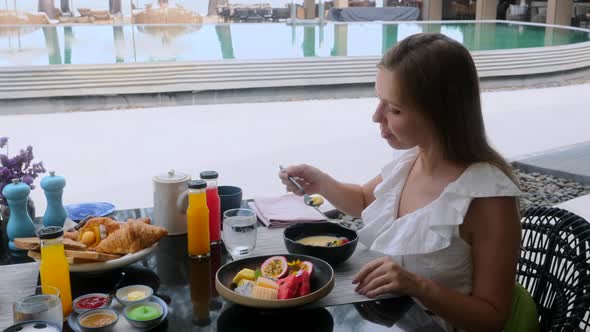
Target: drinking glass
[
  {"x": 42, "y": 303},
  {"x": 239, "y": 231}
]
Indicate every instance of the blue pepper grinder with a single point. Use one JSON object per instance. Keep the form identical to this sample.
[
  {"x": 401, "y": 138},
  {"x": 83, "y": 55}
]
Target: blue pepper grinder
[
  {"x": 53, "y": 186},
  {"x": 20, "y": 223}
]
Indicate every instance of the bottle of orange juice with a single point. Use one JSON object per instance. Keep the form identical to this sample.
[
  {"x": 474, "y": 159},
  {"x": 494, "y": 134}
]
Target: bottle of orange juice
[
  {"x": 197, "y": 219},
  {"x": 54, "y": 267}
]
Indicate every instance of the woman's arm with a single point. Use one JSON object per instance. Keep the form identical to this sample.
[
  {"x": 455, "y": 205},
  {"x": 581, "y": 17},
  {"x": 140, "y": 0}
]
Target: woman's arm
[
  {"x": 351, "y": 199},
  {"x": 493, "y": 227}
]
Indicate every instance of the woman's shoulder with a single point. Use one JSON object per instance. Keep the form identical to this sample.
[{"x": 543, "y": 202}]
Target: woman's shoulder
[
  {"x": 493, "y": 218},
  {"x": 484, "y": 180}
]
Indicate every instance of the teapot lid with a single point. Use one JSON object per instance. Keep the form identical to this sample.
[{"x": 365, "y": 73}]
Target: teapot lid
[{"x": 172, "y": 177}]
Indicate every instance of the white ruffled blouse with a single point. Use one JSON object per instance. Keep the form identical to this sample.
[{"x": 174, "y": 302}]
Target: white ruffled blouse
[{"x": 427, "y": 242}]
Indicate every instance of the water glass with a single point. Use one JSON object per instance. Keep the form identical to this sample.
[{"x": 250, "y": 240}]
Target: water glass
[
  {"x": 239, "y": 231},
  {"x": 42, "y": 303}
]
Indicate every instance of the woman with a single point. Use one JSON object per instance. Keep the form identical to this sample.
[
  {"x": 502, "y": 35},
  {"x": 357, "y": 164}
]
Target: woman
[{"x": 444, "y": 213}]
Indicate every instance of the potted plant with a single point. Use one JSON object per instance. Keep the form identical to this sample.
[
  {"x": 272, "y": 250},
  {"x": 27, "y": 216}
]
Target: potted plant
[{"x": 20, "y": 167}]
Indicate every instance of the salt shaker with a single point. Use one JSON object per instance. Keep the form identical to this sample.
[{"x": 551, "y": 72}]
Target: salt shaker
[
  {"x": 20, "y": 223},
  {"x": 53, "y": 186}
]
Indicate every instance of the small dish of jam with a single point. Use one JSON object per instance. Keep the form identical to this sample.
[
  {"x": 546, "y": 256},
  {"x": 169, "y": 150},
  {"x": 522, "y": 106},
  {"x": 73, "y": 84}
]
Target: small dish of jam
[{"x": 90, "y": 302}]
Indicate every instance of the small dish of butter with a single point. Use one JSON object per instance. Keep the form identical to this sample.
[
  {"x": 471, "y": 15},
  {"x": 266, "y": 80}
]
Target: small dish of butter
[{"x": 133, "y": 294}]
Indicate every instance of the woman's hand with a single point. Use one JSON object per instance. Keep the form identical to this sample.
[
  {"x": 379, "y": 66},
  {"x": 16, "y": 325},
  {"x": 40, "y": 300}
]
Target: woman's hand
[
  {"x": 309, "y": 177},
  {"x": 383, "y": 275}
]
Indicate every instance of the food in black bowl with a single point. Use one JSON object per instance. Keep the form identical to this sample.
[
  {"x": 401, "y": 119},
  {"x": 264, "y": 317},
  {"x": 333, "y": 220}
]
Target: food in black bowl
[
  {"x": 328, "y": 241},
  {"x": 252, "y": 281}
]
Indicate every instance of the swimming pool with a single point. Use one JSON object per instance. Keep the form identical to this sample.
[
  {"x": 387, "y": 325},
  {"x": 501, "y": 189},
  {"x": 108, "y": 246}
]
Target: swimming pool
[
  {"x": 105, "y": 44},
  {"x": 81, "y": 60}
]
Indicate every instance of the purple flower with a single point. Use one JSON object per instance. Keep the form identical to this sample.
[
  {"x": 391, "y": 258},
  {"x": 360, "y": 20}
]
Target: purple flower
[
  {"x": 28, "y": 179},
  {"x": 20, "y": 166},
  {"x": 38, "y": 168}
]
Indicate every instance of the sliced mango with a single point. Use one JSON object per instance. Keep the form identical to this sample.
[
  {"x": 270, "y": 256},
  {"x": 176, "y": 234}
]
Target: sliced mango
[{"x": 247, "y": 274}]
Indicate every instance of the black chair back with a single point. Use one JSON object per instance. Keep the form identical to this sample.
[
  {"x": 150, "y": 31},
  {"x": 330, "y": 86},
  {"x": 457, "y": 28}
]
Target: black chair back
[{"x": 554, "y": 267}]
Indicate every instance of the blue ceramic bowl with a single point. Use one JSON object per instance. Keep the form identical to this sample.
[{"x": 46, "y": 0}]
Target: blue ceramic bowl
[{"x": 78, "y": 212}]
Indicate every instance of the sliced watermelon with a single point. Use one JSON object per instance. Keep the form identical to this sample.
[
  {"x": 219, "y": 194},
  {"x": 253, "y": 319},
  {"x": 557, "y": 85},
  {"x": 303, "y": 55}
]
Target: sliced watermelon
[
  {"x": 283, "y": 287},
  {"x": 289, "y": 288},
  {"x": 304, "y": 288}
]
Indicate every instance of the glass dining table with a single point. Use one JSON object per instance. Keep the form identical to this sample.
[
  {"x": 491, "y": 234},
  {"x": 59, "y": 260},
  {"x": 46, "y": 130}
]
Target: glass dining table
[{"x": 188, "y": 287}]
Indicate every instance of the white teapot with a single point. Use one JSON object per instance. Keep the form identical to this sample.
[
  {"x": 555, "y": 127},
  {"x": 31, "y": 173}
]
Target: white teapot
[{"x": 170, "y": 201}]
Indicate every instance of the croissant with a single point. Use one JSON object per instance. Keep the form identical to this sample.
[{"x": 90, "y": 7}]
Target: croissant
[
  {"x": 95, "y": 230},
  {"x": 109, "y": 224},
  {"x": 132, "y": 237},
  {"x": 73, "y": 235}
]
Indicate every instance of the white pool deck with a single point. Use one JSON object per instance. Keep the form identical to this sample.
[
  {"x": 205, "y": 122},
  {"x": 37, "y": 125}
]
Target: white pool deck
[{"x": 113, "y": 155}]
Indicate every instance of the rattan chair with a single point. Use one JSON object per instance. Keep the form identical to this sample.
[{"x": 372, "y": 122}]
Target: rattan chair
[{"x": 554, "y": 267}]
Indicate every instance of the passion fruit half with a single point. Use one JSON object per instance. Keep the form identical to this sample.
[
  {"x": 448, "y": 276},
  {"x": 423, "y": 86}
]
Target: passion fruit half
[
  {"x": 307, "y": 266},
  {"x": 296, "y": 266},
  {"x": 274, "y": 267}
]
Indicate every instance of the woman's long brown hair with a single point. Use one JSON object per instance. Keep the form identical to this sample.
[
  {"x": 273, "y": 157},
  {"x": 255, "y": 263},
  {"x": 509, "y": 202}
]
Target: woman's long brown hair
[{"x": 438, "y": 78}]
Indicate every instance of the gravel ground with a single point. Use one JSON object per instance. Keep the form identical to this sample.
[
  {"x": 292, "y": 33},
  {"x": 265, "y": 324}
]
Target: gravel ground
[
  {"x": 546, "y": 190},
  {"x": 538, "y": 189}
]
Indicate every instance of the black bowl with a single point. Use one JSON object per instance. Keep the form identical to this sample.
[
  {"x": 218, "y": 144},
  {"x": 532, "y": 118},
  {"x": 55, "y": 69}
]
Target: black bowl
[{"x": 332, "y": 255}]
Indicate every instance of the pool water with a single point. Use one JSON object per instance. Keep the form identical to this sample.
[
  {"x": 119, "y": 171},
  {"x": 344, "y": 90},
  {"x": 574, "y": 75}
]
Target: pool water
[{"x": 107, "y": 44}]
